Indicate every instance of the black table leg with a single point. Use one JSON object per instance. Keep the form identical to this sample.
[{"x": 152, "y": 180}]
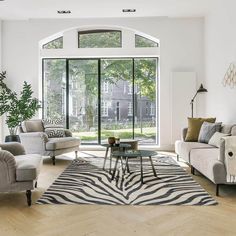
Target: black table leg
[
  {"x": 127, "y": 164},
  {"x": 105, "y": 158},
  {"x": 114, "y": 171},
  {"x": 141, "y": 166},
  {"x": 110, "y": 159},
  {"x": 153, "y": 169}
]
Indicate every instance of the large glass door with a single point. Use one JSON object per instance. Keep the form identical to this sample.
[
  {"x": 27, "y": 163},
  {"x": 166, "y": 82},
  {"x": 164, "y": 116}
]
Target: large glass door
[
  {"x": 54, "y": 89},
  {"x": 145, "y": 100},
  {"x": 98, "y": 98},
  {"x": 83, "y": 99},
  {"x": 116, "y": 98}
]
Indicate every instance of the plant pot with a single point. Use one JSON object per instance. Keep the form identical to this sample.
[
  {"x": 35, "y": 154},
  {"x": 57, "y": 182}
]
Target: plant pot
[{"x": 12, "y": 138}]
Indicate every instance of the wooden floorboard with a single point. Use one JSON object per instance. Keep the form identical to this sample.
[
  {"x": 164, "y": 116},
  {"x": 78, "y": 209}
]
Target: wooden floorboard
[{"x": 16, "y": 218}]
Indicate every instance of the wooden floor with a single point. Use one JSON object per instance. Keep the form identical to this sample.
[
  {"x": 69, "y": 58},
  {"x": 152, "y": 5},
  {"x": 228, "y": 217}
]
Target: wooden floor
[{"x": 16, "y": 218}]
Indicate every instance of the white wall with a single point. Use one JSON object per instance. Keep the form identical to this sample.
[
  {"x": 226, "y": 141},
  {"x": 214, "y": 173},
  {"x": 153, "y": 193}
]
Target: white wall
[
  {"x": 183, "y": 87},
  {"x": 220, "y": 49},
  {"x": 181, "y": 50}
]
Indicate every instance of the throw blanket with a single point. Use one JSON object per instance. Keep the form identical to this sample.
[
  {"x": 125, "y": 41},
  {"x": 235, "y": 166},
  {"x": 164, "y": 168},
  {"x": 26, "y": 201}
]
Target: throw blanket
[{"x": 230, "y": 158}]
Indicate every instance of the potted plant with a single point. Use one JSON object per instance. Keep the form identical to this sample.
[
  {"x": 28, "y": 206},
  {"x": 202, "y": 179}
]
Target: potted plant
[{"x": 16, "y": 107}]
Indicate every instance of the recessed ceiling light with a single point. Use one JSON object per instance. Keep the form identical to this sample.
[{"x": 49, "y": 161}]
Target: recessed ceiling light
[
  {"x": 63, "y": 11},
  {"x": 129, "y": 10}
]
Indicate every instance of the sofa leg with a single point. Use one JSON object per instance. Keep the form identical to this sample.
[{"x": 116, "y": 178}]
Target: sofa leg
[
  {"x": 76, "y": 155},
  {"x": 53, "y": 160},
  {"x": 217, "y": 189},
  {"x": 192, "y": 170},
  {"x": 36, "y": 184},
  {"x": 28, "y": 195},
  {"x": 177, "y": 157}
]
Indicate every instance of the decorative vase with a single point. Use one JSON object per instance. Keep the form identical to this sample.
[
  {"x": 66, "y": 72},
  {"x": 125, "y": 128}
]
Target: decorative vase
[
  {"x": 111, "y": 140},
  {"x": 117, "y": 141}
]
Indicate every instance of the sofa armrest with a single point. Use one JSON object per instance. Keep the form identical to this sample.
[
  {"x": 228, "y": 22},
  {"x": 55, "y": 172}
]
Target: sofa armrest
[
  {"x": 34, "y": 135},
  {"x": 221, "y": 156},
  {"x": 14, "y": 148},
  {"x": 7, "y": 168},
  {"x": 34, "y": 142},
  {"x": 68, "y": 133},
  {"x": 184, "y": 133}
]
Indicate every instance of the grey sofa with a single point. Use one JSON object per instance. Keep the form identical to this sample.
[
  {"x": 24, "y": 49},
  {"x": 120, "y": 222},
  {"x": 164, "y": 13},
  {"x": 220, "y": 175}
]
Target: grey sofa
[
  {"x": 35, "y": 140},
  {"x": 18, "y": 171},
  {"x": 207, "y": 159}
]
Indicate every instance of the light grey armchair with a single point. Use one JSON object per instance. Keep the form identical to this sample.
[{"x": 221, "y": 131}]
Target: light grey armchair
[
  {"x": 35, "y": 140},
  {"x": 18, "y": 171}
]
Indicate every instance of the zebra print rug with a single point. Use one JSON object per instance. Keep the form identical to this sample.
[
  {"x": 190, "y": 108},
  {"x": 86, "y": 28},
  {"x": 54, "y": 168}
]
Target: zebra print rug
[{"x": 85, "y": 182}]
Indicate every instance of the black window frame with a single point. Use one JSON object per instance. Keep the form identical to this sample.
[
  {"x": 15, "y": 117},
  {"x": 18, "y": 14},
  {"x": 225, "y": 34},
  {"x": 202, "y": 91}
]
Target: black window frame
[{"x": 99, "y": 92}]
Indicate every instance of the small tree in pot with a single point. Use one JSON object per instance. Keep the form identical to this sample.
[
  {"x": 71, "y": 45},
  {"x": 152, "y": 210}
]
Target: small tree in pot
[{"x": 17, "y": 108}]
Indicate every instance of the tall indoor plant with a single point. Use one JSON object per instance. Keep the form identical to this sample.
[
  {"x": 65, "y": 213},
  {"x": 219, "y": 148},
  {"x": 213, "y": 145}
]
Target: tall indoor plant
[{"x": 16, "y": 107}]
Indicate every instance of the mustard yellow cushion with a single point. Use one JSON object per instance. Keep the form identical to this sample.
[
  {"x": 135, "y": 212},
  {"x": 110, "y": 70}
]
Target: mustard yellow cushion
[{"x": 194, "y": 126}]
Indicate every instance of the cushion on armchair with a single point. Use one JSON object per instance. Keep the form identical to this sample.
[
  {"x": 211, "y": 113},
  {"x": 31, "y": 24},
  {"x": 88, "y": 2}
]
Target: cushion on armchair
[
  {"x": 61, "y": 143},
  {"x": 54, "y": 128}
]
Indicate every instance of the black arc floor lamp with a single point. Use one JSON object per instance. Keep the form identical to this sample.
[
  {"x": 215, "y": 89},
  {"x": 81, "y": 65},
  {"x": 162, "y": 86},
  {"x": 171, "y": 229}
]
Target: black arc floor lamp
[{"x": 200, "y": 90}]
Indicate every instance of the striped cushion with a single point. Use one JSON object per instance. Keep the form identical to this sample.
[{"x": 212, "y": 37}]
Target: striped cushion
[{"x": 54, "y": 128}]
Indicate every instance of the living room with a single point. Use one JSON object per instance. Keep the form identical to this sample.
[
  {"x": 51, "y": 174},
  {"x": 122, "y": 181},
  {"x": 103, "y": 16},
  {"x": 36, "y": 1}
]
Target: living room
[{"x": 196, "y": 45}]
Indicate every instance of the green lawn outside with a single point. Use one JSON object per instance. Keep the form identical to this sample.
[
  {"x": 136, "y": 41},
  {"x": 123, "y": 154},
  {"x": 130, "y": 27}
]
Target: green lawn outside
[{"x": 147, "y": 133}]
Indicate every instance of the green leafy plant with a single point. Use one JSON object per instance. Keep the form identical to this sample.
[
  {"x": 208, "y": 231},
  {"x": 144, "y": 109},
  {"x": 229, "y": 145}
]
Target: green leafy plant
[{"x": 16, "y": 107}]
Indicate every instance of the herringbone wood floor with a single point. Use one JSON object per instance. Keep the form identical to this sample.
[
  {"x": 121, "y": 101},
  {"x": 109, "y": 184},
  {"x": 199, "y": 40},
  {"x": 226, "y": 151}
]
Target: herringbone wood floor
[{"x": 86, "y": 220}]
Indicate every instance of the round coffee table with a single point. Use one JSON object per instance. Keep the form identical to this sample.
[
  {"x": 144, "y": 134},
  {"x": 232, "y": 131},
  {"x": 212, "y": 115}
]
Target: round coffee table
[
  {"x": 134, "y": 154},
  {"x": 121, "y": 147}
]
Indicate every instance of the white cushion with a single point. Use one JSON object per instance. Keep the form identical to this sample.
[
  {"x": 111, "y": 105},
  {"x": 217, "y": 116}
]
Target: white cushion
[
  {"x": 183, "y": 149},
  {"x": 215, "y": 139}
]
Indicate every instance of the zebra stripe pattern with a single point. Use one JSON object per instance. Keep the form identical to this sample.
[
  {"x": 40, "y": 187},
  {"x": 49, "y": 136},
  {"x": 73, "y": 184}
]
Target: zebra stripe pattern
[{"x": 85, "y": 182}]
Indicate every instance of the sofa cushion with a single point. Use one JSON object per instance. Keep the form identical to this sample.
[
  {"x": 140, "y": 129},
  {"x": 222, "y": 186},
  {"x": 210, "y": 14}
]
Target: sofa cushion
[
  {"x": 183, "y": 149},
  {"x": 54, "y": 128},
  {"x": 207, "y": 130},
  {"x": 61, "y": 143},
  {"x": 27, "y": 167},
  {"x": 55, "y": 132},
  {"x": 32, "y": 126},
  {"x": 194, "y": 126},
  {"x": 216, "y": 138}
]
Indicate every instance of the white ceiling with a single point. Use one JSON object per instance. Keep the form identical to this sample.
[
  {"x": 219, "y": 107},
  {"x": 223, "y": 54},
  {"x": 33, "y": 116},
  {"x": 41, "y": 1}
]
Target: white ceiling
[{"x": 43, "y": 9}]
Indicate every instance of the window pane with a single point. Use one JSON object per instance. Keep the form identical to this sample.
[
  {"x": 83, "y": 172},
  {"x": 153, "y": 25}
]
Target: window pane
[
  {"x": 55, "y": 44},
  {"x": 83, "y": 99},
  {"x": 116, "y": 105},
  {"x": 141, "y": 42},
  {"x": 100, "y": 39},
  {"x": 145, "y": 81},
  {"x": 54, "y": 103}
]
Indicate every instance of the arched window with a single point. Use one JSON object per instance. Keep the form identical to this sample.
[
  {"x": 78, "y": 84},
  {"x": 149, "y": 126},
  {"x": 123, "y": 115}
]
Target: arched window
[
  {"x": 142, "y": 42},
  {"x": 102, "y": 82},
  {"x": 99, "y": 39},
  {"x": 54, "y": 44}
]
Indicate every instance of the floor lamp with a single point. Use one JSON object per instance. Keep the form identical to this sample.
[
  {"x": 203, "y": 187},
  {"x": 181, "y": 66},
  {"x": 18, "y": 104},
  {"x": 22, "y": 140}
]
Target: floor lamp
[{"x": 200, "y": 90}]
